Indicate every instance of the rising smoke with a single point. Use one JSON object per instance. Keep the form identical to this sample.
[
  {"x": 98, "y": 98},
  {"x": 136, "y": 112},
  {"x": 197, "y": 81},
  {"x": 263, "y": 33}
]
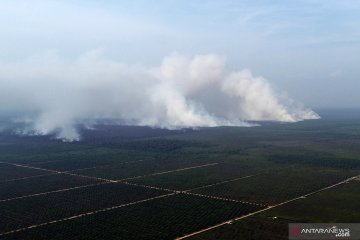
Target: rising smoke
[{"x": 182, "y": 92}]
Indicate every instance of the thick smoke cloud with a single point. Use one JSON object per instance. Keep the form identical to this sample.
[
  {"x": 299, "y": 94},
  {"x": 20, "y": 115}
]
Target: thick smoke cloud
[{"x": 181, "y": 92}]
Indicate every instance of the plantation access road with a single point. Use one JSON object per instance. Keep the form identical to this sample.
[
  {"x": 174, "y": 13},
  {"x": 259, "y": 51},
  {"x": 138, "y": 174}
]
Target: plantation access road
[
  {"x": 231, "y": 221},
  {"x": 106, "y": 181},
  {"x": 49, "y": 192},
  {"x": 84, "y": 214},
  {"x": 188, "y": 192},
  {"x": 102, "y": 180},
  {"x": 57, "y": 173}
]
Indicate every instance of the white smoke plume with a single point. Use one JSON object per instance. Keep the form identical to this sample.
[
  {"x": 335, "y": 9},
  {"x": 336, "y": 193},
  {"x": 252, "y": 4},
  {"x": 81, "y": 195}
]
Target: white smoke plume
[{"x": 181, "y": 92}]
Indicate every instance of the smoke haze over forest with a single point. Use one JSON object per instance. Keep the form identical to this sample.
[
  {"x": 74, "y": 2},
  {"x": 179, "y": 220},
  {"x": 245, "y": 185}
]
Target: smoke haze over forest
[
  {"x": 183, "y": 91},
  {"x": 178, "y": 64}
]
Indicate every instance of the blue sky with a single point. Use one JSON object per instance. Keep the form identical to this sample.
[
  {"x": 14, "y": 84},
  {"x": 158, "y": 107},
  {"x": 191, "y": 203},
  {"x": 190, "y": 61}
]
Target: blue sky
[{"x": 307, "y": 48}]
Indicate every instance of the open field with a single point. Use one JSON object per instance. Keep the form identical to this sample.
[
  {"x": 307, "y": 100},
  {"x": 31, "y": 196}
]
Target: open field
[{"x": 143, "y": 183}]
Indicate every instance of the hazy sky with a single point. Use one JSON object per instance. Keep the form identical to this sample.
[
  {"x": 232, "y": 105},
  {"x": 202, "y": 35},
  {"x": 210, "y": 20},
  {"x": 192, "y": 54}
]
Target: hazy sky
[{"x": 307, "y": 48}]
